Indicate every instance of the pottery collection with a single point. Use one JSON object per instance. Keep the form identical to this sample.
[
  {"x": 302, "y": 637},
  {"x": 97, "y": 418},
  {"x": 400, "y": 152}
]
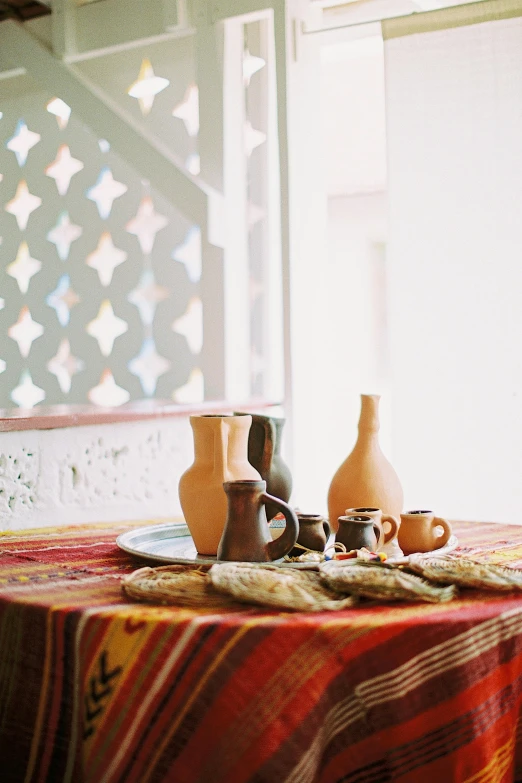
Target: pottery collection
[{"x": 239, "y": 481}]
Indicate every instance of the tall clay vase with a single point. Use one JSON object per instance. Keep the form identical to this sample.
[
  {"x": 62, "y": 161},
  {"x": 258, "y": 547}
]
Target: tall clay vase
[
  {"x": 264, "y": 453},
  {"x": 220, "y": 455},
  {"x": 365, "y": 478}
]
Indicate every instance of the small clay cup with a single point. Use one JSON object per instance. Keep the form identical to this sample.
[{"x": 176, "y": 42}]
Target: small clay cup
[
  {"x": 357, "y": 531},
  {"x": 418, "y": 531},
  {"x": 314, "y": 532},
  {"x": 382, "y": 519}
]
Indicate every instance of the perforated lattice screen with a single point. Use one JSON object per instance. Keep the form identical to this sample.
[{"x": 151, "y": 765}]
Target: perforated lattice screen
[{"x": 99, "y": 275}]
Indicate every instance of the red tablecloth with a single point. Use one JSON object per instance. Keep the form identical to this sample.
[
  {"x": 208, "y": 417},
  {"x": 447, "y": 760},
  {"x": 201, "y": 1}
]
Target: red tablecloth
[{"x": 96, "y": 689}]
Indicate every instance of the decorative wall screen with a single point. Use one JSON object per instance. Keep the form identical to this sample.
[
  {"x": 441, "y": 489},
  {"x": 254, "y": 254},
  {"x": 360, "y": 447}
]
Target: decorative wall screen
[{"x": 101, "y": 296}]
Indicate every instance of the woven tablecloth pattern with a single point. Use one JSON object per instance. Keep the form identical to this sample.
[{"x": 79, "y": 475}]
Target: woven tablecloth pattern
[{"x": 96, "y": 689}]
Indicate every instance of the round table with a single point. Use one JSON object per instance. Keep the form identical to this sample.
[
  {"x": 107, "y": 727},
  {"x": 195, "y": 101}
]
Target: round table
[{"x": 96, "y": 689}]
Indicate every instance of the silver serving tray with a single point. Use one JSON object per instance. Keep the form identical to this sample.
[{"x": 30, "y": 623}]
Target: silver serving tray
[{"x": 171, "y": 542}]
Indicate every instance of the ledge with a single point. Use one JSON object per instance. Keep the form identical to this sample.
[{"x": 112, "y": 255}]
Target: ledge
[{"x": 59, "y": 416}]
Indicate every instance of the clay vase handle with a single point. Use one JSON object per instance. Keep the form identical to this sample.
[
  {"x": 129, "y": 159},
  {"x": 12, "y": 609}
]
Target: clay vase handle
[
  {"x": 280, "y": 547},
  {"x": 377, "y": 529},
  {"x": 394, "y": 529},
  {"x": 444, "y": 537},
  {"x": 269, "y": 436},
  {"x": 327, "y": 529}
]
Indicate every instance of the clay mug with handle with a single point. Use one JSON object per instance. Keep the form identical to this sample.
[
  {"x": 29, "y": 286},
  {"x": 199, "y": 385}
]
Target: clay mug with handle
[
  {"x": 356, "y": 531},
  {"x": 419, "y": 532},
  {"x": 314, "y": 532},
  {"x": 383, "y": 519}
]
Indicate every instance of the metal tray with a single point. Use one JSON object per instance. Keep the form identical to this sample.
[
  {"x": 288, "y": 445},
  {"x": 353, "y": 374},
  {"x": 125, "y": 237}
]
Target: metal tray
[{"x": 171, "y": 542}]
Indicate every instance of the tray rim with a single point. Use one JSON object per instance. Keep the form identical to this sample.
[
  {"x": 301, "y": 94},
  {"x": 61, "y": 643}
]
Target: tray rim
[{"x": 183, "y": 532}]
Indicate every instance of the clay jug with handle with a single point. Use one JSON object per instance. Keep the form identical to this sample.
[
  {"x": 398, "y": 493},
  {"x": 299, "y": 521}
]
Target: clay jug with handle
[
  {"x": 365, "y": 478},
  {"x": 246, "y": 536},
  {"x": 220, "y": 455},
  {"x": 264, "y": 453}
]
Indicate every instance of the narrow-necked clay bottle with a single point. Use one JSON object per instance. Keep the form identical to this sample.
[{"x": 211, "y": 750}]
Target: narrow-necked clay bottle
[{"x": 365, "y": 478}]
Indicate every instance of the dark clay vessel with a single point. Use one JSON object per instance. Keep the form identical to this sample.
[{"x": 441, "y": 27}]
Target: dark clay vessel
[
  {"x": 264, "y": 454},
  {"x": 314, "y": 532},
  {"x": 358, "y": 531},
  {"x": 246, "y": 536}
]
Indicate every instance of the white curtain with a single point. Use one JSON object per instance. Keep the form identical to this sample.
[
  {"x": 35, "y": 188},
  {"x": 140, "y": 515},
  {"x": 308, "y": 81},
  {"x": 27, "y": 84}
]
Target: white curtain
[{"x": 454, "y": 134}]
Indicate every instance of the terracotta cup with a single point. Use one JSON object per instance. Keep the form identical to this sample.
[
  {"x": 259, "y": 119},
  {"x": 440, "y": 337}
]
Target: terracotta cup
[
  {"x": 356, "y": 531},
  {"x": 382, "y": 519},
  {"x": 419, "y": 532}
]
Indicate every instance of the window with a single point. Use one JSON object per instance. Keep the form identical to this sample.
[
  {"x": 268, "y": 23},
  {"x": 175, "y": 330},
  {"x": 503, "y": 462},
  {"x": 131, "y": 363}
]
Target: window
[{"x": 140, "y": 253}]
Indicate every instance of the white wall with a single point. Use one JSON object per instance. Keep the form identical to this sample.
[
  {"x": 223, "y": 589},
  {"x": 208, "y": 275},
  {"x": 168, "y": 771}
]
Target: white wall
[
  {"x": 454, "y": 101},
  {"x": 339, "y": 317}
]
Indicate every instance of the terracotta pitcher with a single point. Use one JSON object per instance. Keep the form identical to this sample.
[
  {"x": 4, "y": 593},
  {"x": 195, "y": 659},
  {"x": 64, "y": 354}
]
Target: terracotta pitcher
[
  {"x": 264, "y": 453},
  {"x": 246, "y": 536},
  {"x": 365, "y": 478},
  {"x": 220, "y": 455}
]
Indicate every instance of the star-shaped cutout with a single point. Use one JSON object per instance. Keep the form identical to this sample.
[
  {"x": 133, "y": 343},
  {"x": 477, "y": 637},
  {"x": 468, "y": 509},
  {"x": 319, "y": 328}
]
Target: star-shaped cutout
[
  {"x": 193, "y": 164},
  {"x": 146, "y": 87},
  {"x": 189, "y": 253},
  {"x": 148, "y": 365},
  {"x": 106, "y": 258},
  {"x": 193, "y": 390},
  {"x": 64, "y": 234},
  {"x": 61, "y": 111},
  {"x": 251, "y": 65},
  {"x": 191, "y": 325},
  {"x": 63, "y": 299},
  {"x": 22, "y": 204},
  {"x": 108, "y": 394},
  {"x": 25, "y": 331},
  {"x": 253, "y": 138},
  {"x": 23, "y": 267},
  {"x": 26, "y": 394},
  {"x": 22, "y": 141},
  {"x": 106, "y": 327},
  {"x": 146, "y": 296},
  {"x": 146, "y": 224},
  {"x": 63, "y": 168},
  {"x": 105, "y": 191},
  {"x": 188, "y": 110},
  {"x": 64, "y": 365}
]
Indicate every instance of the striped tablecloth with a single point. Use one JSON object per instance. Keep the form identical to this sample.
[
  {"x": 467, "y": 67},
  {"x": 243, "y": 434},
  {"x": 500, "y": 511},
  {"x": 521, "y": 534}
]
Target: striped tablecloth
[{"x": 94, "y": 688}]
